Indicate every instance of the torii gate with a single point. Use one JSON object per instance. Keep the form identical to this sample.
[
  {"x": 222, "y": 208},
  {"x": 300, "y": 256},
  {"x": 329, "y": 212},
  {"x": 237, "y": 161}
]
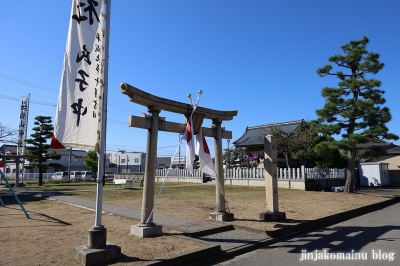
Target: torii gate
[{"x": 153, "y": 123}]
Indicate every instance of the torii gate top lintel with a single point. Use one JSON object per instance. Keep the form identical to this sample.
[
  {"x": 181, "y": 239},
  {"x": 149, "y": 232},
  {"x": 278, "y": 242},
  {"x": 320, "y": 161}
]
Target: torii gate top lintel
[{"x": 146, "y": 99}]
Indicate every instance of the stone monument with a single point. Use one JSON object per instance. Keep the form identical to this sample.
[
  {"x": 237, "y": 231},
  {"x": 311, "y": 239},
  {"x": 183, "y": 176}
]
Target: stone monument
[{"x": 271, "y": 182}]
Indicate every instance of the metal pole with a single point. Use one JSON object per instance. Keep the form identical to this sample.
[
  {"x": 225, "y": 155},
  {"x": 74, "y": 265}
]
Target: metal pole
[
  {"x": 15, "y": 195},
  {"x": 69, "y": 163},
  {"x": 179, "y": 140},
  {"x": 103, "y": 125},
  {"x": 140, "y": 162},
  {"x": 229, "y": 154},
  {"x": 127, "y": 161}
]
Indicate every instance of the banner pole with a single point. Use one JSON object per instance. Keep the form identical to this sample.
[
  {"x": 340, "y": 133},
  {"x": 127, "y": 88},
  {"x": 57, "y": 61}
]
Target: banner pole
[
  {"x": 98, "y": 250},
  {"x": 103, "y": 126}
]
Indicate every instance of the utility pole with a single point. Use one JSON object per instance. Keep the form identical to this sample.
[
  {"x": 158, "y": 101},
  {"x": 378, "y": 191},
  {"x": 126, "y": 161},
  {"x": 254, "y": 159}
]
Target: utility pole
[
  {"x": 179, "y": 151},
  {"x": 118, "y": 168},
  {"x": 127, "y": 160},
  {"x": 229, "y": 154}
]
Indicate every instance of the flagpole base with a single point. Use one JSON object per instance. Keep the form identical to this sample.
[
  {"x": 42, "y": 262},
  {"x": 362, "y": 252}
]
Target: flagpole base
[
  {"x": 146, "y": 230},
  {"x": 221, "y": 216},
  {"x": 91, "y": 256},
  {"x": 97, "y": 250},
  {"x": 97, "y": 237},
  {"x": 273, "y": 216}
]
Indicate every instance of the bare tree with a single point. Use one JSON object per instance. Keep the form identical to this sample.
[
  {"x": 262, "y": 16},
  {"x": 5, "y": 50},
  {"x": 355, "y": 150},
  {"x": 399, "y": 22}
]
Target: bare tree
[{"x": 8, "y": 135}]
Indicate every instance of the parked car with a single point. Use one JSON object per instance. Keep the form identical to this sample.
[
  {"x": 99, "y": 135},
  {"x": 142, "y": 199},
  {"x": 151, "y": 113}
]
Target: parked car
[
  {"x": 60, "y": 176},
  {"x": 76, "y": 176},
  {"x": 86, "y": 176}
]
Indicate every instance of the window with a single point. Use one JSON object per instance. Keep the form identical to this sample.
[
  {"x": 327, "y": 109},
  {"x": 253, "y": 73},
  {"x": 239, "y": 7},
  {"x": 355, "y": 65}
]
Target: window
[
  {"x": 136, "y": 160},
  {"x": 122, "y": 160}
]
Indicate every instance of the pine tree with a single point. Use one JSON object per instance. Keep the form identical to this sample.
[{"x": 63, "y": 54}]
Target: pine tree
[
  {"x": 309, "y": 145},
  {"x": 354, "y": 109},
  {"x": 232, "y": 154},
  {"x": 38, "y": 153}
]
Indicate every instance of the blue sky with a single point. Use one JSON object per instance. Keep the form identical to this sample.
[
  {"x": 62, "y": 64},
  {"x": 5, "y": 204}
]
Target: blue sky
[{"x": 257, "y": 57}]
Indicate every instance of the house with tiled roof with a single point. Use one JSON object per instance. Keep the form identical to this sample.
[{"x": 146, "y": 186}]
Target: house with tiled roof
[
  {"x": 8, "y": 149},
  {"x": 253, "y": 140}
]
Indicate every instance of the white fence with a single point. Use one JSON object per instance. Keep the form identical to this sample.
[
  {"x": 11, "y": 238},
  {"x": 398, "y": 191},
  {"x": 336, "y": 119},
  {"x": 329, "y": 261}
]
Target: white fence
[
  {"x": 175, "y": 172},
  {"x": 325, "y": 173},
  {"x": 29, "y": 176},
  {"x": 291, "y": 178},
  {"x": 238, "y": 173},
  {"x": 301, "y": 173}
]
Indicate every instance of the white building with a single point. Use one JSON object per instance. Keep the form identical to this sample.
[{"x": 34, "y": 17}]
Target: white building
[
  {"x": 174, "y": 162},
  {"x": 126, "y": 162},
  {"x": 76, "y": 157}
]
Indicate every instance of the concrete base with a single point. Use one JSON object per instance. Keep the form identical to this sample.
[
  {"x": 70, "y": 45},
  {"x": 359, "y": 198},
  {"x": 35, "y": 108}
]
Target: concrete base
[
  {"x": 90, "y": 256},
  {"x": 146, "y": 230},
  {"x": 221, "y": 216},
  {"x": 273, "y": 216},
  {"x": 97, "y": 237}
]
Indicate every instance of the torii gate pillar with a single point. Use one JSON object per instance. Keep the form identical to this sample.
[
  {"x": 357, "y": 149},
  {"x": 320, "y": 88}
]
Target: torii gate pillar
[
  {"x": 18, "y": 159},
  {"x": 147, "y": 227},
  {"x": 220, "y": 214}
]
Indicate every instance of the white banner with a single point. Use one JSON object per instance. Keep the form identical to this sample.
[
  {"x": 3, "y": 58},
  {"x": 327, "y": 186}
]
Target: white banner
[
  {"x": 77, "y": 121},
  {"x": 206, "y": 163},
  {"x": 23, "y": 125},
  {"x": 190, "y": 148}
]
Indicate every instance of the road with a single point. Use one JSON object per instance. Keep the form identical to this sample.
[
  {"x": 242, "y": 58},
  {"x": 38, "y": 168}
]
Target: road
[{"x": 371, "y": 239}]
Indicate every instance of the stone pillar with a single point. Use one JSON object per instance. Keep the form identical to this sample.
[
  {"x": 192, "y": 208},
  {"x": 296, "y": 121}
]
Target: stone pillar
[
  {"x": 220, "y": 214},
  {"x": 271, "y": 182},
  {"x": 146, "y": 227}
]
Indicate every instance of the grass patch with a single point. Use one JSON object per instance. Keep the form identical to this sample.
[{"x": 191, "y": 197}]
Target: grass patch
[
  {"x": 171, "y": 191},
  {"x": 85, "y": 185},
  {"x": 188, "y": 193},
  {"x": 61, "y": 186}
]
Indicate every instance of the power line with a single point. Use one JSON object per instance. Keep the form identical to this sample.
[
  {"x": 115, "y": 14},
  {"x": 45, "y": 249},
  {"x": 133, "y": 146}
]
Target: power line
[
  {"x": 30, "y": 101},
  {"x": 117, "y": 121},
  {"x": 26, "y": 82},
  {"x": 46, "y": 88}
]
